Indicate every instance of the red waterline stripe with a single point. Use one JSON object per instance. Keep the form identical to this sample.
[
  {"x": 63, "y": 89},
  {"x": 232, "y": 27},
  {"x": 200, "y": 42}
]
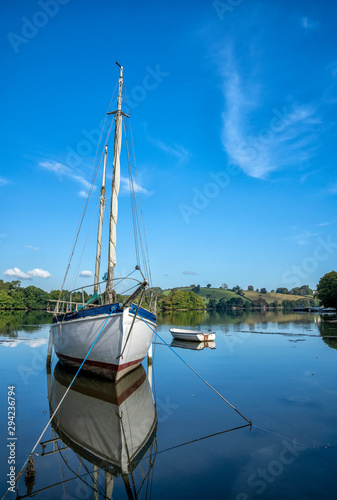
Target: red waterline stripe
[{"x": 99, "y": 364}]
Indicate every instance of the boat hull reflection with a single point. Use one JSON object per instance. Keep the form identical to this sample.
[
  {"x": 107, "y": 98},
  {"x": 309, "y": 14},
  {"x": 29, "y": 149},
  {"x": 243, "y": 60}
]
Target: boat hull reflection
[
  {"x": 110, "y": 425},
  {"x": 196, "y": 346}
]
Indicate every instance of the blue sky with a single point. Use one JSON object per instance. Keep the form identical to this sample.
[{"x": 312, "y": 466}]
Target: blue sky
[{"x": 233, "y": 112}]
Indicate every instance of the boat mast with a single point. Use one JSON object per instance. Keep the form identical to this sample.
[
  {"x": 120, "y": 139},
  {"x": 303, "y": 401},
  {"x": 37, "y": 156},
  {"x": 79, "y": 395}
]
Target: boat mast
[
  {"x": 110, "y": 294},
  {"x": 100, "y": 223}
]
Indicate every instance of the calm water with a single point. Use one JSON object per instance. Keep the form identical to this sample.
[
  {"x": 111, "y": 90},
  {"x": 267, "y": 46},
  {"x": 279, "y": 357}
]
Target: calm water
[{"x": 279, "y": 370}]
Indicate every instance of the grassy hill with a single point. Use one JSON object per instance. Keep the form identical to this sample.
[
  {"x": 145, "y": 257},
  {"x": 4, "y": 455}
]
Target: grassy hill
[
  {"x": 271, "y": 297},
  {"x": 220, "y": 293}
]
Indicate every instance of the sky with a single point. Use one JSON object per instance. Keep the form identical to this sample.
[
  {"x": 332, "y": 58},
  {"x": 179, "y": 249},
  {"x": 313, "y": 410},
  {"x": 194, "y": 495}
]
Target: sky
[{"x": 232, "y": 105}]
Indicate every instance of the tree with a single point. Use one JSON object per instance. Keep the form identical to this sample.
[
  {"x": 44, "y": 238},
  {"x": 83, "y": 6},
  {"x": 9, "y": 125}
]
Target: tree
[
  {"x": 281, "y": 290},
  {"x": 224, "y": 286},
  {"x": 327, "y": 289},
  {"x": 6, "y": 301},
  {"x": 209, "y": 285},
  {"x": 250, "y": 288},
  {"x": 263, "y": 290},
  {"x": 212, "y": 303},
  {"x": 305, "y": 290},
  {"x": 236, "y": 288}
]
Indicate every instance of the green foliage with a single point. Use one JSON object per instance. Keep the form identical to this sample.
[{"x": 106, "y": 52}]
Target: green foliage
[
  {"x": 250, "y": 288},
  {"x": 6, "y": 302},
  {"x": 259, "y": 302},
  {"x": 327, "y": 289},
  {"x": 263, "y": 290},
  {"x": 212, "y": 303},
  {"x": 282, "y": 290},
  {"x": 181, "y": 300}
]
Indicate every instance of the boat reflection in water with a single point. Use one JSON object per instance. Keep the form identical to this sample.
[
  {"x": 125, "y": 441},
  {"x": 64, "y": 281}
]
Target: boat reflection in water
[
  {"x": 112, "y": 426},
  {"x": 188, "y": 344}
]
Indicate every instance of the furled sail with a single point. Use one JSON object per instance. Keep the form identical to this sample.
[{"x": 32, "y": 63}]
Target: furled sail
[{"x": 115, "y": 189}]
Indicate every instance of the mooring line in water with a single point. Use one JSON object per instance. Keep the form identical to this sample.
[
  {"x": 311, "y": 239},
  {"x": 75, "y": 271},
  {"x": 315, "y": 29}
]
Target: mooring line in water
[
  {"x": 58, "y": 406},
  {"x": 277, "y": 435},
  {"x": 194, "y": 371},
  {"x": 201, "y": 439}
]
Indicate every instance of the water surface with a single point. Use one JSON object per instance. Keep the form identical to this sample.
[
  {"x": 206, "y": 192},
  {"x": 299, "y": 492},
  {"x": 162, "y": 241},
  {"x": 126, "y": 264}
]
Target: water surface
[{"x": 172, "y": 436}]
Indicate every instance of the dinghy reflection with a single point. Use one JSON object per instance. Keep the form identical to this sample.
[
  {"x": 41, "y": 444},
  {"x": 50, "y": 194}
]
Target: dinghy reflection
[
  {"x": 112, "y": 426},
  {"x": 188, "y": 344}
]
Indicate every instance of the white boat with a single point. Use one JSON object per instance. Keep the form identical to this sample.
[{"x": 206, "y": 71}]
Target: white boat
[
  {"x": 192, "y": 335},
  {"x": 110, "y": 425},
  {"x": 124, "y": 328}
]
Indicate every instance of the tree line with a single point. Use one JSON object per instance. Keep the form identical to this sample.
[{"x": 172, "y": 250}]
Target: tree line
[{"x": 15, "y": 297}]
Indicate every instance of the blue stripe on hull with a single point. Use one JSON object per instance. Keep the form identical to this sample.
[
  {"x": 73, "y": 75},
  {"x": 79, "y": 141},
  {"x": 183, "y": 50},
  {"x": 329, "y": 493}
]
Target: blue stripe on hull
[{"x": 95, "y": 311}]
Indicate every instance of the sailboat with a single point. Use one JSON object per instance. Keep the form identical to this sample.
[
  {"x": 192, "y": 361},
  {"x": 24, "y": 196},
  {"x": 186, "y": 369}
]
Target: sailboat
[{"x": 116, "y": 334}]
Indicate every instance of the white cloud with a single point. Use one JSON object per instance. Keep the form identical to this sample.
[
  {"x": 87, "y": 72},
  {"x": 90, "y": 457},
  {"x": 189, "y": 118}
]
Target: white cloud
[
  {"x": 63, "y": 171},
  {"x": 83, "y": 194},
  {"x": 189, "y": 272},
  {"x": 17, "y": 273},
  {"x": 32, "y": 248},
  {"x": 3, "y": 181},
  {"x": 308, "y": 24},
  {"x": 39, "y": 273},
  {"x": 86, "y": 274},
  {"x": 286, "y": 139},
  {"x": 125, "y": 186}
]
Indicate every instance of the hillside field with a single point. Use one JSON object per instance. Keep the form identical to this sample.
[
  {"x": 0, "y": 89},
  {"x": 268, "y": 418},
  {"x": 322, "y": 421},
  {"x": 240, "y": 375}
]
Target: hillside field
[{"x": 219, "y": 293}]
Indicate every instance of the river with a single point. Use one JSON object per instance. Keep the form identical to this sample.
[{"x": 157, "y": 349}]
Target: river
[{"x": 170, "y": 435}]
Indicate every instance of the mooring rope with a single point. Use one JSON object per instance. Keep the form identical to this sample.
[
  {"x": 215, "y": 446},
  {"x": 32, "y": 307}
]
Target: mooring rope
[
  {"x": 196, "y": 373},
  {"x": 58, "y": 406}
]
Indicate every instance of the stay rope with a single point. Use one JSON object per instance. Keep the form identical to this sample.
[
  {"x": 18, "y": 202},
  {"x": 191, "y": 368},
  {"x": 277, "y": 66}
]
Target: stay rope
[
  {"x": 196, "y": 373},
  {"x": 58, "y": 406}
]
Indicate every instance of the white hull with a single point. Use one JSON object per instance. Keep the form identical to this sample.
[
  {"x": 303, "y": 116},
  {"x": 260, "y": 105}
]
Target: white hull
[
  {"x": 192, "y": 335},
  {"x": 73, "y": 338}
]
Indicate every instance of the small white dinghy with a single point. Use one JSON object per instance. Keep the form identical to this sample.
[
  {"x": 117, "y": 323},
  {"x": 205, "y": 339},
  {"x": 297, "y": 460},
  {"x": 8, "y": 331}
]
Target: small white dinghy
[{"x": 193, "y": 335}]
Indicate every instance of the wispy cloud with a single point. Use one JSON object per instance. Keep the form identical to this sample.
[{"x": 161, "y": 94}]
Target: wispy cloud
[
  {"x": 323, "y": 224},
  {"x": 126, "y": 188},
  {"x": 287, "y": 138},
  {"x": 302, "y": 236},
  {"x": 35, "y": 273},
  {"x": 62, "y": 171},
  {"x": 32, "y": 248},
  {"x": 308, "y": 24},
  {"x": 179, "y": 152},
  {"x": 193, "y": 273},
  {"x": 3, "y": 181}
]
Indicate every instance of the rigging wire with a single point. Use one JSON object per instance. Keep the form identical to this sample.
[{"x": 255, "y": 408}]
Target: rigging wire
[
  {"x": 106, "y": 138},
  {"x": 89, "y": 190},
  {"x": 135, "y": 212},
  {"x": 146, "y": 254}
]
